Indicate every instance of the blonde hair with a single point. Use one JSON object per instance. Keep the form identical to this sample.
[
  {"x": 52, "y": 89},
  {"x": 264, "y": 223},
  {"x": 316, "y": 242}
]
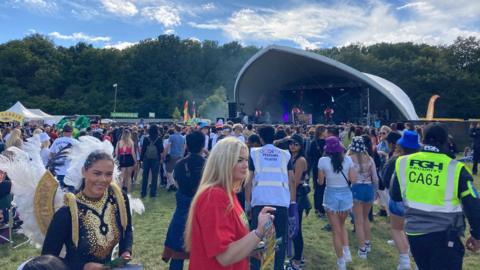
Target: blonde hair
[
  {"x": 15, "y": 139},
  {"x": 37, "y": 131},
  {"x": 126, "y": 138},
  {"x": 45, "y": 144},
  {"x": 218, "y": 171},
  {"x": 387, "y": 129}
]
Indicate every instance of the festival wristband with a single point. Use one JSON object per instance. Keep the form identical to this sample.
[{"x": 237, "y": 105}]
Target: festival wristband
[{"x": 258, "y": 234}]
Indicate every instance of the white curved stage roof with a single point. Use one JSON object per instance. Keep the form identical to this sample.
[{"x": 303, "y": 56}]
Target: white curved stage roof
[{"x": 274, "y": 67}]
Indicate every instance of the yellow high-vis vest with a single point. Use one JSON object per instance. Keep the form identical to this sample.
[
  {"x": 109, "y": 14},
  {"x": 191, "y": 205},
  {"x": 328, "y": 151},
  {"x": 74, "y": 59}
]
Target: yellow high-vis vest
[{"x": 429, "y": 182}]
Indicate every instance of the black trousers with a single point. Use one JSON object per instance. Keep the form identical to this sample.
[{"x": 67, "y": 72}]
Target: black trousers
[
  {"x": 298, "y": 239},
  {"x": 476, "y": 158},
  {"x": 431, "y": 251},
  {"x": 152, "y": 165},
  {"x": 281, "y": 226},
  {"x": 318, "y": 191}
]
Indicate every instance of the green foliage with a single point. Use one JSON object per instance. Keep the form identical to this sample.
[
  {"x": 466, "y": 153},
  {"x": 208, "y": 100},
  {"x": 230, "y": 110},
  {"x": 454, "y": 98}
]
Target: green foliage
[
  {"x": 176, "y": 114},
  {"x": 158, "y": 75},
  {"x": 215, "y": 105}
]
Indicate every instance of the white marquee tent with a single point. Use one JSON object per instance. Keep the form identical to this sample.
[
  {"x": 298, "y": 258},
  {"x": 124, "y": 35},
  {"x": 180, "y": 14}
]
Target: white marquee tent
[{"x": 34, "y": 114}]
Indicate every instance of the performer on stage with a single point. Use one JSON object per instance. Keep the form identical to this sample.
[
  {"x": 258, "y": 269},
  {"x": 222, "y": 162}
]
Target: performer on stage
[{"x": 328, "y": 113}]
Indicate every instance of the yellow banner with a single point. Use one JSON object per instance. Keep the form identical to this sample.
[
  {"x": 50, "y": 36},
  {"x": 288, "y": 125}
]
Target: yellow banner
[{"x": 10, "y": 117}]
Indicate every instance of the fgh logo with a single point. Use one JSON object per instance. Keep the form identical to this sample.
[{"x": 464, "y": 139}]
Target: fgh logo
[{"x": 426, "y": 164}]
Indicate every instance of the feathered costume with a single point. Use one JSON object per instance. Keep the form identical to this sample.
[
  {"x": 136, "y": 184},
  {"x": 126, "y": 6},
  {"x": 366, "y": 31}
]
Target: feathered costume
[{"x": 88, "y": 229}]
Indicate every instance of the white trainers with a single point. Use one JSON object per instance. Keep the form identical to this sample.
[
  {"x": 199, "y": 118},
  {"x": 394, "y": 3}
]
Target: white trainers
[
  {"x": 341, "y": 264},
  {"x": 404, "y": 263},
  {"x": 404, "y": 266},
  {"x": 362, "y": 254},
  {"x": 347, "y": 256},
  {"x": 368, "y": 246}
]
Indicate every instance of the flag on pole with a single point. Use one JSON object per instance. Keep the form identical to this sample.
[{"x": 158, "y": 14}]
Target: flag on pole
[
  {"x": 186, "y": 116},
  {"x": 194, "y": 114}
]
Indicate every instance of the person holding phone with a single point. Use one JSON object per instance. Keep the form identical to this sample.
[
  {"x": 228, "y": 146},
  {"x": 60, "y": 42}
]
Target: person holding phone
[{"x": 217, "y": 233}]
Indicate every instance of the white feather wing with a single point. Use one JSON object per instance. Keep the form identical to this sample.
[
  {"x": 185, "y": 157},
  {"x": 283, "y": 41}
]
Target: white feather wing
[{"x": 25, "y": 171}]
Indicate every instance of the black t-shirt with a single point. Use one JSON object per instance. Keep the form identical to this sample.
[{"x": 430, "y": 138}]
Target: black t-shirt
[{"x": 188, "y": 173}]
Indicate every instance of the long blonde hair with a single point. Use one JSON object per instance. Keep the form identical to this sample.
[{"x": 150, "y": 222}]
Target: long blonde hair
[
  {"x": 218, "y": 171},
  {"x": 126, "y": 138}
]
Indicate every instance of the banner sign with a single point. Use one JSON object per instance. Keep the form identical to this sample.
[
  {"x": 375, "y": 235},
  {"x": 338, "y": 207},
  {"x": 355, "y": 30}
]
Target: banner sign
[
  {"x": 124, "y": 115},
  {"x": 10, "y": 117}
]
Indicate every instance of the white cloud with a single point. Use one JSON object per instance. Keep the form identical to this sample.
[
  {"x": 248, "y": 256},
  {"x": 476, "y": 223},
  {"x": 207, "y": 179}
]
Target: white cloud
[
  {"x": 208, "y": 6},
  {"x": 120, "y": 45},
  {"x": 168, "y": 16},
  {"x": 120, "y": 7},
  {"x": 195, "y": 39},
  {"x": 79, "y": 36},
  {"x": 314, "y": 25},
  {"x": 169, "y": 32},
  {"x": 46, "y": 6}
]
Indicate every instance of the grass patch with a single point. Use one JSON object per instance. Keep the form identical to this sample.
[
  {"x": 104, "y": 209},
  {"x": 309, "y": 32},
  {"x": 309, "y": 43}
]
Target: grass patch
[{"x": 151, "y": 227}]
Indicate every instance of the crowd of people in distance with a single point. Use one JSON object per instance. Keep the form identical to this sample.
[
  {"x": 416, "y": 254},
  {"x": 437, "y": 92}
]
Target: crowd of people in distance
[{"x": 238, "y": 186}]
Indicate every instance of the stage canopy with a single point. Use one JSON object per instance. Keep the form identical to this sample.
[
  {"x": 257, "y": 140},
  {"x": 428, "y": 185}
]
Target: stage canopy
[{"x": 276, "y": 67}]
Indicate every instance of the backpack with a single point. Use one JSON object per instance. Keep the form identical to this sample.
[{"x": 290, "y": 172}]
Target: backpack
[{"x": 152, "y": 151}]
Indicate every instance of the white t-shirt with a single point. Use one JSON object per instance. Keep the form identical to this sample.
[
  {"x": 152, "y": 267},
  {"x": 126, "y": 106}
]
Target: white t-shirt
[{"x": 335, "y": 179}]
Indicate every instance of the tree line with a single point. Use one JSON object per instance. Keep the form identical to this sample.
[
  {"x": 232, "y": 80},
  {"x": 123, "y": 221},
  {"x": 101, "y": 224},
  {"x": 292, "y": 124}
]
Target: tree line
[{"x": 158, "y": 75}]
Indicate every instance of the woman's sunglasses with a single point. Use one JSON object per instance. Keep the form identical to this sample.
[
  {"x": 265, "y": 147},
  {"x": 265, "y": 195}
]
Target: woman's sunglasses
[{"x": 295, "y": 144}]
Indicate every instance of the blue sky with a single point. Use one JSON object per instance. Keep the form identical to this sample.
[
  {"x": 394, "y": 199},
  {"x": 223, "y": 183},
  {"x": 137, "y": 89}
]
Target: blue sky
[{"x": 297, "y": 23}]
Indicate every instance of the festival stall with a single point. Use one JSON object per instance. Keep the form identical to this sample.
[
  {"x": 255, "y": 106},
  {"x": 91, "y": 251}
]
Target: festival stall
[{"x": 19, "y": 113}]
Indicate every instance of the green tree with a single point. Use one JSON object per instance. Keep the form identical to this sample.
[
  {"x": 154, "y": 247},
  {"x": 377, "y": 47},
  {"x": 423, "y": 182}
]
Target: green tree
[{"x": 176, "y": 114}]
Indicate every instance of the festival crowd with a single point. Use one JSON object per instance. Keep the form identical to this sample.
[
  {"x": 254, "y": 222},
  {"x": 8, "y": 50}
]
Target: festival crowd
[{"x": 242, "y": 192}]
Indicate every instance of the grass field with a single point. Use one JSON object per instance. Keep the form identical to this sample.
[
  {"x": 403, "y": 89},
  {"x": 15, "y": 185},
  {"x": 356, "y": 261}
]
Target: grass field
[{"x": 150, "y": 229}]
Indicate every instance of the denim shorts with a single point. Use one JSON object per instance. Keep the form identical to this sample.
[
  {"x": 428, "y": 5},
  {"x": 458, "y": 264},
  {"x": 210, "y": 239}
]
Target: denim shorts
[
  {"x": 396, "y": 208},
  {"x": 337, "y": 199},
  {"x": 363, "y": 193}
]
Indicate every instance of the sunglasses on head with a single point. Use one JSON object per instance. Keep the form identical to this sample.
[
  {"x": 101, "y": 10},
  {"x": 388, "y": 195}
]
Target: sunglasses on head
[{"x": 383, "y": 133}]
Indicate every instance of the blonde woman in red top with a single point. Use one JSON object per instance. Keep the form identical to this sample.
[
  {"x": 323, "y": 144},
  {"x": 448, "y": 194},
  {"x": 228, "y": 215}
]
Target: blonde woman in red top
[
  {"x": 217, "y": 233},
  {"x": 125, "y": 153}
]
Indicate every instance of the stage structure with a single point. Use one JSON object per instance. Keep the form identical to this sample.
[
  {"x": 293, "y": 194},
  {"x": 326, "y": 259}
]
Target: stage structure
[{"x": 278, "y": 82}]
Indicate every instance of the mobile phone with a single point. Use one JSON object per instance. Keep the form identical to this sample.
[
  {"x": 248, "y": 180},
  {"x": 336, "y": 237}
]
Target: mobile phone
[
  {"x": 118, "y": 262},
  {"x": 259, "y": 247}
]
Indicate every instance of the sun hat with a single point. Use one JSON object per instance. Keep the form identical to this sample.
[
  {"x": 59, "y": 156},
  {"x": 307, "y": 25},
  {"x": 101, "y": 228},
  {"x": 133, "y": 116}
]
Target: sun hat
[
  {"x": 333, "y": 145},
  {"x": 409, "y": 140},
  {"x": 357, "y": 145},
  {"x": 44, "y": 137}
]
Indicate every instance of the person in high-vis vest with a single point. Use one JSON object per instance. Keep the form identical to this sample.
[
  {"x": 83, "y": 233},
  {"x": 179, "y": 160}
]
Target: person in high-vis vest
[
  {"x": 270, "y": 183},
  {"x": 437, "y": 192}
]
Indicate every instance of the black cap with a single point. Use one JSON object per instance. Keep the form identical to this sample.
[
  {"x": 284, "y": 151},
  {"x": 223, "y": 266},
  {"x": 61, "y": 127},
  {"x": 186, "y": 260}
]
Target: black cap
[
  {"x": 67, "y": 128},
  {"x": 297, "y": 138}
]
